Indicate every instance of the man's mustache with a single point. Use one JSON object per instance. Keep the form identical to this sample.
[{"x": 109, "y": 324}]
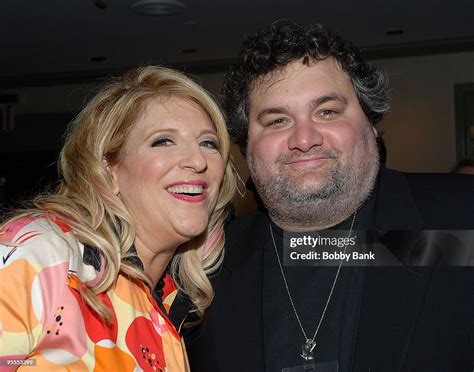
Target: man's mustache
[{"x": 297, "y": 155}]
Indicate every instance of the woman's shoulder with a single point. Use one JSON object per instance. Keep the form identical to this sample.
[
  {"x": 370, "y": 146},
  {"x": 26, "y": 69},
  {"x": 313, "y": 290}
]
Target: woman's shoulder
[
  {"x": 44, "y": 241},
  {"x": 39, "y": 240},
  {"x": 37, "y": 255}
]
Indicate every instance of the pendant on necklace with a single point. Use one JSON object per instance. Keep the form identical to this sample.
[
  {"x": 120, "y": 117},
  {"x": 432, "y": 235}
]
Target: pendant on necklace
[{"x": 307, "y": 349}]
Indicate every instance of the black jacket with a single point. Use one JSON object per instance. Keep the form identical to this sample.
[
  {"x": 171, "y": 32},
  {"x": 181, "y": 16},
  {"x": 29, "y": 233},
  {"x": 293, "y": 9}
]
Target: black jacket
[{"x": 411, "y": 318}]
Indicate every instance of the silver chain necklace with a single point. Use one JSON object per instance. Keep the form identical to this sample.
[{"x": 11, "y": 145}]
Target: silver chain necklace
[{"x": 309, "y": 343}]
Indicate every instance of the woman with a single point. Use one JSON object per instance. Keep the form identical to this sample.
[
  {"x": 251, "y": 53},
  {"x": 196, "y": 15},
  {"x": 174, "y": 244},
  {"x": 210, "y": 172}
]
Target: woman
[{"x": 103, "y": 274}]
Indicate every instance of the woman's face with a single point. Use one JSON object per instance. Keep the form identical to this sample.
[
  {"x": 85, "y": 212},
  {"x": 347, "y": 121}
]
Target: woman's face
[{"x": 170, "y": 172}]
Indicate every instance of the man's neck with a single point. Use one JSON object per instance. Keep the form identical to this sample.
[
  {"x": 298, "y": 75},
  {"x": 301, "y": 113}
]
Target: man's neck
[{"x": 288, "y": 226}]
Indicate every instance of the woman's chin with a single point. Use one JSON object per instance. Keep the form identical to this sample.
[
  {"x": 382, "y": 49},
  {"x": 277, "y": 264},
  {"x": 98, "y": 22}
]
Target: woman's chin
[{"x": 189, "y": 232}]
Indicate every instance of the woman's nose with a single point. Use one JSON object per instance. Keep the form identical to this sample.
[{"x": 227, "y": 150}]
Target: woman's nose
[{"x": 193, "y": 158}]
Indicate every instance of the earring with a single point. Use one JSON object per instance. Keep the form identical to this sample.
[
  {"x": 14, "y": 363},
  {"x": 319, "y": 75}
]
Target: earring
[{"x": 241, "y": 182}]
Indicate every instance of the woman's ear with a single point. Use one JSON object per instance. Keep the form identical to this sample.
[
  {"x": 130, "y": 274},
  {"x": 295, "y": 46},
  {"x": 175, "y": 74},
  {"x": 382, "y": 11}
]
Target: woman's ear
[{"x": 113, "y": 176}]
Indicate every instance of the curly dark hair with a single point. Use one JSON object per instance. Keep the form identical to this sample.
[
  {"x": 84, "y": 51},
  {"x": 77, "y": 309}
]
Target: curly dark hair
[{"x": 284, "y": 42}]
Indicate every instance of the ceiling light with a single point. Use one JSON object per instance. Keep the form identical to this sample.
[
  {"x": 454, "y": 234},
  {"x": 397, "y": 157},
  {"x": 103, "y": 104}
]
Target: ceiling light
[
  {"x": 98, "y": 59},
  {"x": 393, "y": 31},
  {"x": 101, "y": 4},
  {"x": 189, "y": 51},
  {"x": 158, "y": 7}
]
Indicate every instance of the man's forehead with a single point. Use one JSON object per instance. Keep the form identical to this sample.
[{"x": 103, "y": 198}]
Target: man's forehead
[{"x": 262, "y": 83}]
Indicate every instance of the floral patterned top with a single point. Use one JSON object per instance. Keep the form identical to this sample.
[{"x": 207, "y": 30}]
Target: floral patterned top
[{"x": 44, "y": 322}]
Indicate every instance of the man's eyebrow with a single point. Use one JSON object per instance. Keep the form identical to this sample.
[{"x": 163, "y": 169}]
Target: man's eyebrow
[
  {"x": 272, "y": 110},
  {"x": 313, "y": 104},
  {"x": 328, "y": 98}
]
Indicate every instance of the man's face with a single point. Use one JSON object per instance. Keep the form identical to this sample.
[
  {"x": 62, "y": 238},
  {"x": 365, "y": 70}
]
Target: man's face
[{"x": 310, "y": 144}]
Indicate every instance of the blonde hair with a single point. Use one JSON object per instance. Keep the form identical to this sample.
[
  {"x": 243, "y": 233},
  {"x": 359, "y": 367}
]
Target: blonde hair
[{"x": 97, "y": 217}]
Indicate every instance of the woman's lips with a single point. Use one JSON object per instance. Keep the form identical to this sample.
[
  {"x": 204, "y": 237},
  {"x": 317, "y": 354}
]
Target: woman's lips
[
  {"x": 192, "y": 191},
  {"x": 190, "y": 198}
]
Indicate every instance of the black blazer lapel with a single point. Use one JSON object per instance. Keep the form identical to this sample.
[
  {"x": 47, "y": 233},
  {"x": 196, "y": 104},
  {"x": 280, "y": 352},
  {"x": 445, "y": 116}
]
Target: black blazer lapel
[
  {"x": 393, "y": 296},
  {"x": 391, "y": 303}
]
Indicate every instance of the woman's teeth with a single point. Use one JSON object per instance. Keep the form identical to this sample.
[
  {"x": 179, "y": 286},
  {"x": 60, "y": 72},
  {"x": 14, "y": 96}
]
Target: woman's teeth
[{"x": 186, "y": 189}]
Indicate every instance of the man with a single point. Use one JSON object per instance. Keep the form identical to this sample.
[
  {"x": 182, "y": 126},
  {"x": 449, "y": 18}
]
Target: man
[{"x": 302, "y": 104}]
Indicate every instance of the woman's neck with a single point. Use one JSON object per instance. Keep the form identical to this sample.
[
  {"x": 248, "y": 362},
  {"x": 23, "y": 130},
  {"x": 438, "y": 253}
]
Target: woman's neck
[{"x": 155, "y": 259}]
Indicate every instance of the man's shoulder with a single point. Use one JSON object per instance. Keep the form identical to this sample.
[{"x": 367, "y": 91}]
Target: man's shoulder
[
  {"x": 430, "y": 184},
  {"x": 456, "y": 189},
  {"x": 441, "y": 182},
  {"x": 441, "y": 199}
]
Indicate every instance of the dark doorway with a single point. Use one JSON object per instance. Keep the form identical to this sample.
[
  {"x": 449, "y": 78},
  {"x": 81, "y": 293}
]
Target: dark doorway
[
  {"x": 464, "y": 95},
  {"x": 28, "y": 154},
  {"x": 25, "y": 174}
]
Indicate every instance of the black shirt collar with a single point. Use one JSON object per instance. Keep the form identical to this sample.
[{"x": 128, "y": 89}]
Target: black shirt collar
[{"x": 182, "y": 304}]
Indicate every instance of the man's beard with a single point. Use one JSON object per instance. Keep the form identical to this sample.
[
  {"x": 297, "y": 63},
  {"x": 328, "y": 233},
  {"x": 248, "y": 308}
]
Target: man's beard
[{"x": 297, "y": 205}]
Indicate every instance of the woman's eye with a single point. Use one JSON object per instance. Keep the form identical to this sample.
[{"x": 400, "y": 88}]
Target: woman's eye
[
  {"x": 210, "y": 144},
  {"x": 162, "y": 142}
]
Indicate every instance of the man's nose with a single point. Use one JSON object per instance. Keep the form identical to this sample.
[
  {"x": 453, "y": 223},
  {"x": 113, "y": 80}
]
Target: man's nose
[
  {"x": 305, "y": 135},
  {"x": 192, "y": 158}
]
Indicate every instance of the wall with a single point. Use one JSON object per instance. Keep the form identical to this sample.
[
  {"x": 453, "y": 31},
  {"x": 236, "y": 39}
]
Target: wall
[{"x": 419, "y": 131}]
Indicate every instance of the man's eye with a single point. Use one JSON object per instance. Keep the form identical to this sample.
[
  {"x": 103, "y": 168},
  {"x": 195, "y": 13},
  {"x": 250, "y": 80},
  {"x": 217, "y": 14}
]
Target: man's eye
[
  {"x": 327, "y": 113},
  {"x": 278, "y": 121},
  {"x": 210, "y": 144},
  {"x": 162, "y": 142}
]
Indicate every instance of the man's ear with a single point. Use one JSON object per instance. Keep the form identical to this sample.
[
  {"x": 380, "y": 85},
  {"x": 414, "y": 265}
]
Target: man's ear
[{"x": 113, "y": 176}]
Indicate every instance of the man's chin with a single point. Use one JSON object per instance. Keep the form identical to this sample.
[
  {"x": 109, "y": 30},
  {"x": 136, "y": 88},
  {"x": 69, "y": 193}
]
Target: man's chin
[
  {"x": 309, "y": 176},
  {"x": 309, "y": 185}
]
